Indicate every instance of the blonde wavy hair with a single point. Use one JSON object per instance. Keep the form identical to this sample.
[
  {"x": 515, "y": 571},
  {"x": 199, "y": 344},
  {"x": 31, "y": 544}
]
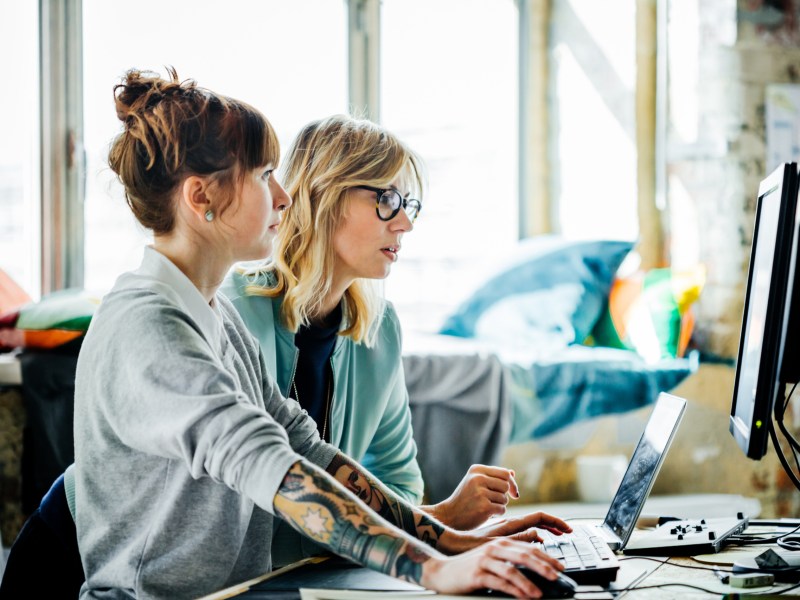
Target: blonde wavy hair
[{"x": 327, "y": 159}]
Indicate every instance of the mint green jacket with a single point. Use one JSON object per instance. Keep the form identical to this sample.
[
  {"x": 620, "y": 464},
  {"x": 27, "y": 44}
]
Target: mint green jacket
[{"x": 370, "y": 420}]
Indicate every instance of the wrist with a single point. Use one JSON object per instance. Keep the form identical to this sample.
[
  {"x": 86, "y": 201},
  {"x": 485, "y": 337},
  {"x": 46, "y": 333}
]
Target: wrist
[
  {"x": 430, "y": 572},
  {"x": 439, "y": 511},
  {"x": 455, "y": 542}
]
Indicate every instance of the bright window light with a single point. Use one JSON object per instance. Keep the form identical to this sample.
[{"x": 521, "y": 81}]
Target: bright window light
[
  {"x": 449, "y": 88},
  {"x": 269, "y": 53},
  {"x": 593, "y": 118},
  {"x": 19, "y": 145}
]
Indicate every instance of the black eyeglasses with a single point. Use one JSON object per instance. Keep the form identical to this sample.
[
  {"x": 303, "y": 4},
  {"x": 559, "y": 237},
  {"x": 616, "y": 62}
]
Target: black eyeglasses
[{"x": 390, "y": 202}]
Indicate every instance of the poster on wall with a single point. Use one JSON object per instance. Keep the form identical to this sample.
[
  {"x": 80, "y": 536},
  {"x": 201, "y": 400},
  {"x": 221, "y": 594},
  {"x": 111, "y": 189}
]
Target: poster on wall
[{"x": 783, "y": 124}]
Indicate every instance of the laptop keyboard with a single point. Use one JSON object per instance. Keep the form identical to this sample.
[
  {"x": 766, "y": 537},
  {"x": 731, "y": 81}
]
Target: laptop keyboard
[{"x": 585, "y": 555}]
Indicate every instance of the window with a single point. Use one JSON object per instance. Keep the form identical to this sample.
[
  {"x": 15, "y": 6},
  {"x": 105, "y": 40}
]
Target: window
[
  {"x": 449, "y": 89},
  {"x": 19, "y": 150},
  {"x": 593, "y": 118},
  {"x": 269, "y": 53},
  {"x": 448, "y": 84}
]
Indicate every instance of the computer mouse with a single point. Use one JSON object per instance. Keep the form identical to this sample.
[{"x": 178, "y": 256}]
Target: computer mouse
[{"x": 561, "y": 587}]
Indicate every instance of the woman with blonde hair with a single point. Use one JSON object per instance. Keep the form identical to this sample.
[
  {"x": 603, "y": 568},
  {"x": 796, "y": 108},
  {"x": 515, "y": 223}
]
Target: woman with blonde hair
[{"x": 332, "y": 342}]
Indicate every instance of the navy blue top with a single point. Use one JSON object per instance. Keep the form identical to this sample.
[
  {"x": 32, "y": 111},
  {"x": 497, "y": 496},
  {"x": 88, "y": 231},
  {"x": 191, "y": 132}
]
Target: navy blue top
[
  {"x": 54, "y": 511},
  {"x": 313, "y": 373}
]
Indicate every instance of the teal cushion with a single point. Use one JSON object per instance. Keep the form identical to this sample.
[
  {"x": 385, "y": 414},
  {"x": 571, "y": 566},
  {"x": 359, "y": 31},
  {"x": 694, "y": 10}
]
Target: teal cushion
[{"x": 550, "y": 288}]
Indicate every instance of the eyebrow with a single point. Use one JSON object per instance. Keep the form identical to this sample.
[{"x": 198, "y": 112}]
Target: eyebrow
[{"x": 406, "y": 195}]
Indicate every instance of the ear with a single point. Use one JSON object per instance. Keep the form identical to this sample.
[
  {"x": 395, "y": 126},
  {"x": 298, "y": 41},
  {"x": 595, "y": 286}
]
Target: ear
[{"x": 195, "y": 196}]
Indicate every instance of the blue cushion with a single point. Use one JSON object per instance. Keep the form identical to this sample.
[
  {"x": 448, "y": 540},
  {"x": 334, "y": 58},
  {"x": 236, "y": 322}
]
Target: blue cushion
[{"x": 550, "y": 288}]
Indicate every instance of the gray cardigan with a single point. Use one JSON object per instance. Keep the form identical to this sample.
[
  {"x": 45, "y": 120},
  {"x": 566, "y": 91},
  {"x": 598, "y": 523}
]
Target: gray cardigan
[{"x": 181, "y": 442}]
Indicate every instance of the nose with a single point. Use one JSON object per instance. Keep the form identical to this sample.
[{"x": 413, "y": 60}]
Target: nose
[
  {"x": 280, "y": 199},
  {"x": 402, "y": 222}
]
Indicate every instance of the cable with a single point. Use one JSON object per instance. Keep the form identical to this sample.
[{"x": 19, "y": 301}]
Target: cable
[
  {"x": 789, "y": 397},
  {"x": 776, "y": 592},
  {"x": 779, "y": 451},
  {"x": 666, "y": 562},
  {"x": 780, "y": 412},
  {"x": 789, "y": 543},
  {"x": 694, "y": 587},
  {"x": 744, "y": 539},
  {"x": 663, "y": 585}
]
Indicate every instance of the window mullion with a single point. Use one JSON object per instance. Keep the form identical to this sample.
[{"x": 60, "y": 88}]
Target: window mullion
[
  {"x": 535, "y": 210},
  {"x": 364, "y": 27},
  {"x": 62, "y": 166}
]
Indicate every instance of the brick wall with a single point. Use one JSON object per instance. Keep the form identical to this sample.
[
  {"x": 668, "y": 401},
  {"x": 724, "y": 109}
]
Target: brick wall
[{"x": 719, "y": 64}]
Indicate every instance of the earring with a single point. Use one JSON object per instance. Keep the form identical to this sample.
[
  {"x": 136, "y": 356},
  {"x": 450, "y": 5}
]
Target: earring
[{"x": 209, "y": 216}]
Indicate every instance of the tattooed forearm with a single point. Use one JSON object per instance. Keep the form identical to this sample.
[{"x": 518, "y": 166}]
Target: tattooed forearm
[
  {"x": 384, "y": 502},
  {"x": 318, "y": 506}
]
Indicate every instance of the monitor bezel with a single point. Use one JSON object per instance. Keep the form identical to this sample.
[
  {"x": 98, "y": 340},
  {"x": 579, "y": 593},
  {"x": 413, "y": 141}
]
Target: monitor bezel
[{"x": 753, "y": 441}]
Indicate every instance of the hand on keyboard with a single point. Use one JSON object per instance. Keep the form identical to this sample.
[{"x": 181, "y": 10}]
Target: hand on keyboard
[
  {"x": 585, "y": 555},
  {"x": 527, "y": 528}
]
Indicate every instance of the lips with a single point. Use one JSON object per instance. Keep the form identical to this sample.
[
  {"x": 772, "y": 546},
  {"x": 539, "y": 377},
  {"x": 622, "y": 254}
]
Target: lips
[{"x": 391, "y": 251}]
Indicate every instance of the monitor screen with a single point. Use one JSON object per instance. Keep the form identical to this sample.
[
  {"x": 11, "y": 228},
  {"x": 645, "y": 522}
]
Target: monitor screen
[{"x": 770, "y": 283}]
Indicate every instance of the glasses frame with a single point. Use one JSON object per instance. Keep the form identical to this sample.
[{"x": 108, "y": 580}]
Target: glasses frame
[{"x": 404, "y": 202}]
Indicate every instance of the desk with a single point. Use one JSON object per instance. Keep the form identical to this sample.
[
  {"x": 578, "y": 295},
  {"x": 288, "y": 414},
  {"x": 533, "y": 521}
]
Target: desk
[{"x": 640, "y": 573}]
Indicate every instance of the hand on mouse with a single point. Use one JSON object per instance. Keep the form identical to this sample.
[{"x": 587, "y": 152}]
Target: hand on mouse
[{"x": 491, "y": 565}]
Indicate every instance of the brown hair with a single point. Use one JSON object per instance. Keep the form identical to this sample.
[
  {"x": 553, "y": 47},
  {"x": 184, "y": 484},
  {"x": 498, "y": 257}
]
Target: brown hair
[{"x": 175, "y": 129}]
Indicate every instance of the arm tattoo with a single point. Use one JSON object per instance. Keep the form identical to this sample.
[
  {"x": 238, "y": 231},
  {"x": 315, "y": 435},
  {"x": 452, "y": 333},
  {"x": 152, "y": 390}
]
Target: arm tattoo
[
  {"x": 318, "y": 506},
  {"x": 385, "y": 502}
]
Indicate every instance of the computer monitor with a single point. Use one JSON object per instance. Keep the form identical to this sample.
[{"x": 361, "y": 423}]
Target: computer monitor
[{"x": 767, "y": 356}]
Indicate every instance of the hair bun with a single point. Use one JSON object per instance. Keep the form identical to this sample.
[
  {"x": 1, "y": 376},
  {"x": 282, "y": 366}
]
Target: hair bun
[{"x": 142, "y": 90}]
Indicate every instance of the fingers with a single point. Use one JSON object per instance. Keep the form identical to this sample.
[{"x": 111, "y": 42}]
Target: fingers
[
  {"x": 545, "y": 521},
  {"x": 529, "y": 535},
  {"x": 496, "y": 478},
  {"x": 514, "y": 487},
  {"x": 520, "y": 553},
  {"x": 492, "y": 565},
  {"x": 503, "y": 556},
  {"x": 553, "y": 524},
  {"x": 496, "y": 498},
  {"x": 511, "y": 582},
  {"x": 543, "y": 557},
  {"x": 505, "y": 484}
]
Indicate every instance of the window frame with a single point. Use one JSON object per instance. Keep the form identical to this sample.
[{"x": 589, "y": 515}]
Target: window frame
[
  {"x": 62, "y": 173},
  {"x": 62, "y": 163}
]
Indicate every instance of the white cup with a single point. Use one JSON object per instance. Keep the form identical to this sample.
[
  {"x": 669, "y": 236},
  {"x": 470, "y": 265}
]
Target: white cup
[{"x": 599, "y": 476}]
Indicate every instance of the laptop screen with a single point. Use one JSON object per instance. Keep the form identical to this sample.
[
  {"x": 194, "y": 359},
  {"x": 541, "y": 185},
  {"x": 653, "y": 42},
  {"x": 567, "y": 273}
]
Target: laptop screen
[{"x": 644, "y": 465}]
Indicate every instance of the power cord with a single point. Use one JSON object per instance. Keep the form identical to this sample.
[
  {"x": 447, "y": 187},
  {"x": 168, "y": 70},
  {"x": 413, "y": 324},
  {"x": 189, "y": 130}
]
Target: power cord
[
  {"x": 672, "y": 564},
  {"x": 636, "y": 588},
  {"x": 789, "y": 543},
  {"x": 784, "y": 540},
  {"x": 720, "y": 573}
]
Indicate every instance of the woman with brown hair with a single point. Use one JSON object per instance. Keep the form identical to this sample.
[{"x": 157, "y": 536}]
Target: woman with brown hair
[{"x": 184, "y": 448}]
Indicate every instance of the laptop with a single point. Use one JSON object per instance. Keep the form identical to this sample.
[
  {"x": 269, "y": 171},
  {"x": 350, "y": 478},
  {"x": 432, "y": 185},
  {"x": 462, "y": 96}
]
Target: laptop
[{"x": 588, "y": 553}]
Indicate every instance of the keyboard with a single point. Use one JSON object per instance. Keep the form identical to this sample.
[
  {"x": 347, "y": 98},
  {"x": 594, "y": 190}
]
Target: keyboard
[{"x": 585, "y": 555}]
